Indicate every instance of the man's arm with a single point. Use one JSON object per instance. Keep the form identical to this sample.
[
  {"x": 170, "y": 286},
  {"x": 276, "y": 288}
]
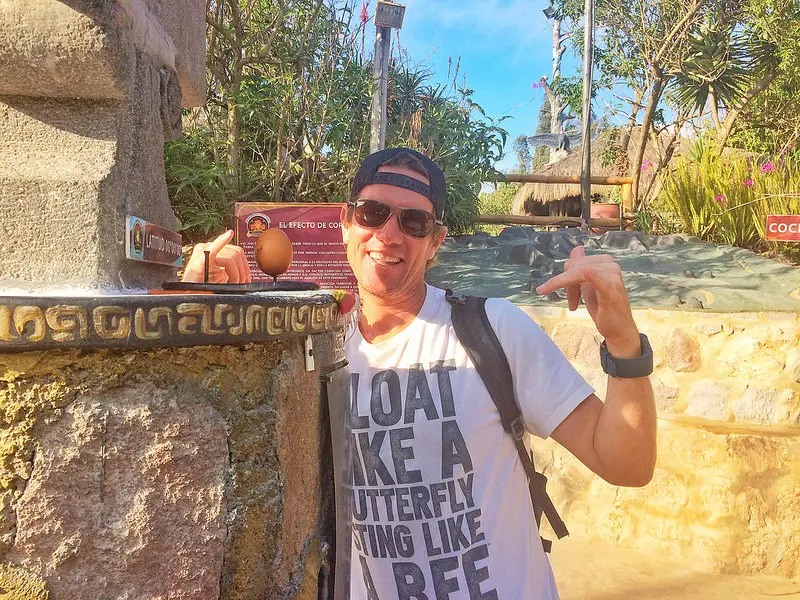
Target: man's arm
[{"x": 615, "y": 439}]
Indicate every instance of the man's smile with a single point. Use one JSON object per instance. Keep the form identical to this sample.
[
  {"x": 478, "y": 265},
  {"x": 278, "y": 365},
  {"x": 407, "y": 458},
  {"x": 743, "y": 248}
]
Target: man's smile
[{"x": 382, "y": 258}]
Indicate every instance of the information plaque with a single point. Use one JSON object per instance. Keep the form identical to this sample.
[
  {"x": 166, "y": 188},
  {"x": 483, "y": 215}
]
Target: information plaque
[
  {"x": 147, "y": 242},
  {"x": 316, "y": 236}
]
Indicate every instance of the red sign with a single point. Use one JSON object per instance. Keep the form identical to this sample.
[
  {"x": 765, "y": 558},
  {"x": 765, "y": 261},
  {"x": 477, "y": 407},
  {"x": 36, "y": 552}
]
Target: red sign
[
  {"x": 783, "y": 228},
  {"x": 315, "y": 231}
]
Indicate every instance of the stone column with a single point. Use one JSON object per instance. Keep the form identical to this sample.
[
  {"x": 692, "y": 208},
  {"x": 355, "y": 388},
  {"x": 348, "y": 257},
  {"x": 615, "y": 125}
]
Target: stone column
[
  {"x": 151, "y": 446},
  {"x": 89, "y": 91}
]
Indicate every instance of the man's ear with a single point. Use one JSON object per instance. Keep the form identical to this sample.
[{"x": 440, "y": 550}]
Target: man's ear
[{"x": 437, "y": 241}]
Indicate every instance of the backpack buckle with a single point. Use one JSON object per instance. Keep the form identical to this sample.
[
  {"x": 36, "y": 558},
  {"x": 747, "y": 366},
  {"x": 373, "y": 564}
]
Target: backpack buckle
[
  {"x": 455, "y": 297},
  {"x": 517, "y": 428}
]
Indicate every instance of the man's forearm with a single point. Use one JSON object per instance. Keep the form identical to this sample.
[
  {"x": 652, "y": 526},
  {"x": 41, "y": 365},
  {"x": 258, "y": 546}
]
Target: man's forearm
[{"x": 625, "y": 437}]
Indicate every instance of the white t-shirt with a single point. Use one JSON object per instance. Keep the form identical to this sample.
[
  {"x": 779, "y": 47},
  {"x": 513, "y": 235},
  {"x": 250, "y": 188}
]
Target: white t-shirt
[{"x": 441, "y": 508}]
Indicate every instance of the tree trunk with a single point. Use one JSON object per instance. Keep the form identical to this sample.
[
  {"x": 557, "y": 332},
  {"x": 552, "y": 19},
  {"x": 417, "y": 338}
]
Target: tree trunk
[
  {"x": 656, "y": 89},
  {"x": 727, "y": 126},
  {"x": 233, "y": 88},
  {"x": 234, "y": 140},
  {"x": 625, "y": 139},
  {"x": 556, "y": 111}
]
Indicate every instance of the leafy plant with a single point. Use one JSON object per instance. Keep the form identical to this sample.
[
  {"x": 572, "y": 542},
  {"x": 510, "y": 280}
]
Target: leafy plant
[
  {"x": 726, "y": 199},
  {"x": 498, "y": 202},
  {"x": 456, "y": 133},
  {"x": 287, "y": 117}
]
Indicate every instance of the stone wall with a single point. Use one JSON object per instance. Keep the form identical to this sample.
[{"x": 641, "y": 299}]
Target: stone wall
[
  {"x": 726, "y": 490},
  {"x": 169, "y": 473}
]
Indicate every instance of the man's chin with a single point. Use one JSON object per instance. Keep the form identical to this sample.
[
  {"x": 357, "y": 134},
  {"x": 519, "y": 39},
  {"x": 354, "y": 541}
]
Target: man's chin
[{"x": 382, "y": 287}]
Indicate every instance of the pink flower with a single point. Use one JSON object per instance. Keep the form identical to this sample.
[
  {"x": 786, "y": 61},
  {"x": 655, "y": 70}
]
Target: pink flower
[
  {"x": 721, "y": 200},
  {"x": 537, "y": 84},
  {"x": 748, "y": 183},
  {"x": 768, "y": 167},
  {"x": 364, "y": 13},
  {"x": 646, "y": 164}
]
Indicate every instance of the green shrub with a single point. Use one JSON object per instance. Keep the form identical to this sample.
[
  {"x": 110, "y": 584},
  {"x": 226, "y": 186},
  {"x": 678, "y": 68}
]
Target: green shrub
[
  {"x": 498, "y": 202},
  {"x": 726, "y": 199}
]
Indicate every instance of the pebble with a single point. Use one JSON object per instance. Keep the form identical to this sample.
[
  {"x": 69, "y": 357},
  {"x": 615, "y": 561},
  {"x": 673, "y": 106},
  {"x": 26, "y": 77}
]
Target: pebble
[
  {"x": 708, "y": 274},
  {"x": 688, "y": 274},
  {"x": 674, "y": 301},
  {"x": 694, "y": 303}
]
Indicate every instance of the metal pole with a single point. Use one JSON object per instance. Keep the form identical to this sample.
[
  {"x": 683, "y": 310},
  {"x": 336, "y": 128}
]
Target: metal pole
[
  {"x": 380, "y": 78},
  {"x": 588, "y": 50}
]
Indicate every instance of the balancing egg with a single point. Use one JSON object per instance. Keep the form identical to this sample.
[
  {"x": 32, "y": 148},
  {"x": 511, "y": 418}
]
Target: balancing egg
[{"x": 273, "y": 252}]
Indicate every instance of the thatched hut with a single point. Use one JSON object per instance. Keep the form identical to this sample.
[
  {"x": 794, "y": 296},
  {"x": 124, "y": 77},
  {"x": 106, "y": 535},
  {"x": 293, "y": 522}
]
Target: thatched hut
[{"x": 534, "y": 198}]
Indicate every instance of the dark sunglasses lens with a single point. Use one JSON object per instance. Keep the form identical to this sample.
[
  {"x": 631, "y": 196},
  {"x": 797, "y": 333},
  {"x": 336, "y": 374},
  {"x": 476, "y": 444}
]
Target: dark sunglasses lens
[
  {"x": 370, "y": 213},
  {"x": 416, "y": 223}
]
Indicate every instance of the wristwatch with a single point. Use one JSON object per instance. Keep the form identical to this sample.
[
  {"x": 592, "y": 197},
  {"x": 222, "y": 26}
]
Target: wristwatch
[{"x": 628, "y": 368}]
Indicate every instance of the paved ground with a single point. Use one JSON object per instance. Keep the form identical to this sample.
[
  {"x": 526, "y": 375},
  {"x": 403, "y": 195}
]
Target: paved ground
[
  {"x": 597, "y": 571},
  {"x": 660, "y": 272}
]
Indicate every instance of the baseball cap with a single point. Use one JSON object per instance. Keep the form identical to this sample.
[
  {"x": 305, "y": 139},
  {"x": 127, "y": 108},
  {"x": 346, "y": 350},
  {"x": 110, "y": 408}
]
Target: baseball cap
[{"x": 368, "y": 174}]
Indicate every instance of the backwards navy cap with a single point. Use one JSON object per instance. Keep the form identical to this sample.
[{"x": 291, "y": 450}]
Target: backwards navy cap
[{"x": 368, "y": 173}]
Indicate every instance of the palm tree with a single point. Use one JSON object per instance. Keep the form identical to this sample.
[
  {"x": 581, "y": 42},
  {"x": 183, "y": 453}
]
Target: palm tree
[{"x": 724, "y": 68}]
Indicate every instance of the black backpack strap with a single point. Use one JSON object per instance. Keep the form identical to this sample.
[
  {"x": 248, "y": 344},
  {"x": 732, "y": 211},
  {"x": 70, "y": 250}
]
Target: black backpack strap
[{"x": 475, "y": 332}]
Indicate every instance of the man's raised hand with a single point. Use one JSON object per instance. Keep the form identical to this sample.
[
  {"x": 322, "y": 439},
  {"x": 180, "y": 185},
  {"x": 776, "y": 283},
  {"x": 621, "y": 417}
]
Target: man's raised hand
[
  {"x": 226, "y": 263},
  {"x": 598, "y": 280}
]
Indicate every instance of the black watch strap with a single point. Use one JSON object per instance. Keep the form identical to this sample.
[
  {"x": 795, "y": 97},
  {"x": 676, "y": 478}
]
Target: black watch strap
[{"x": 628, "y": 368}]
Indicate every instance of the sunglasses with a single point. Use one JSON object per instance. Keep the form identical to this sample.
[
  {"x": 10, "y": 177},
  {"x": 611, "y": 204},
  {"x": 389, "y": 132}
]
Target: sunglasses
[{"x": 373, "y": 214}]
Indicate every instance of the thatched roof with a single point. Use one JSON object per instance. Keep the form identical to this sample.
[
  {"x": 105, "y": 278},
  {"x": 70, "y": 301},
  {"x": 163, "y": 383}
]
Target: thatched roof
[{"x": 571, "y": 165}]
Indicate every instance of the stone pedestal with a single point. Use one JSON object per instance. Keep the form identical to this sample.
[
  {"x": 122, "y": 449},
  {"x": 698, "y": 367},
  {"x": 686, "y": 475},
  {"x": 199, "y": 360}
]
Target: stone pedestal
[
  {"x": 138, "y": 461},
  {"x": 89, "y": 91}
]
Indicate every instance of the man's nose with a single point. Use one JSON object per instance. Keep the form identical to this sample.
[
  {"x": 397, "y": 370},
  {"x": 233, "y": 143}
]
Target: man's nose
[{"x": 390, "y": 231}]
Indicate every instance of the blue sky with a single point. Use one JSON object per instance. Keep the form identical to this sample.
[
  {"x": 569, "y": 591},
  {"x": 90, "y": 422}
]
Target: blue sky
[{"x": 505, "y": 46}]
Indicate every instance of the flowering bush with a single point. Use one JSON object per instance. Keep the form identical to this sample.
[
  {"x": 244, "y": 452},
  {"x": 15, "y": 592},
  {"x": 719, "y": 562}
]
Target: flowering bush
[{"x": 727, "y": 201}]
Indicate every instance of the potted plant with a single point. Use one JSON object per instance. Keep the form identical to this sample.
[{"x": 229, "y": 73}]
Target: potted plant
[{"x": 605, "y": 207}]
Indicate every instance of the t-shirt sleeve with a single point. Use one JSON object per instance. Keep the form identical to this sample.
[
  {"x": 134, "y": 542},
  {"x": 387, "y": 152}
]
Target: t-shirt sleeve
[{"x": 546, "y": 385}]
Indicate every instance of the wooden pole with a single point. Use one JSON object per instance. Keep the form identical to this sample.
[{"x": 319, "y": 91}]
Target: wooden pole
[
  {"x": 380, "y": 79},
  {"x": 597, "y": 179},
  {"x": 530, "y": 220},
  {"x": 586, "y": 168},
  {"x": 626, "y": 192}
]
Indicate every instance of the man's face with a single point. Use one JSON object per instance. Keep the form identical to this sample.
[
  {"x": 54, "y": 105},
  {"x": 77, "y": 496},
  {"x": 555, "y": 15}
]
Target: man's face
[{"x": 388, "y": 263}]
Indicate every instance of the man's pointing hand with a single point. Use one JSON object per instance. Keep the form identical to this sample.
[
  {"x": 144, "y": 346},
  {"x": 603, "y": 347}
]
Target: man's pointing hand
[
  {"x": 226, "y": 263},
  {"x": 598, "y": 281}
]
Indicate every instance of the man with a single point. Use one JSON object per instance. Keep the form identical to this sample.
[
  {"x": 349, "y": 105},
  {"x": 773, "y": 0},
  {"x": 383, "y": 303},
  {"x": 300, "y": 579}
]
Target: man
[{"x": 440, "y": 500}]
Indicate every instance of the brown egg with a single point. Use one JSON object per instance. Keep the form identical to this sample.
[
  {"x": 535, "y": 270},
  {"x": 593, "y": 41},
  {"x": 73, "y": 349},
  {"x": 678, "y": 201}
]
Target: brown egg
[{"x": 273, "y": 252}]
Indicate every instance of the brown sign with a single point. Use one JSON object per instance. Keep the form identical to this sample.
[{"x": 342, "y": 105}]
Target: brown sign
[
  {"x": 147, "y": 242},
  {"x": 783, "y": 228},
  {"x": 316, "y": 236}
]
